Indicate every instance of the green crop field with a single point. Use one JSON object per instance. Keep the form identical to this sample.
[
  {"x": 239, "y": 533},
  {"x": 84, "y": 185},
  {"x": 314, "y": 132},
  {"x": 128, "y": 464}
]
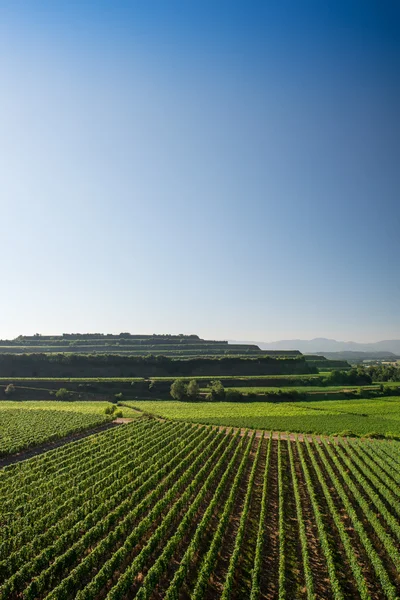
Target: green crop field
[
  {"x": 79, "y": 407},
  {"x": 27, "y": 424},
  {"x": 165, "y": 510},
  {"x": 354, "y": 417},
  {"x": 23, "y": 429}
]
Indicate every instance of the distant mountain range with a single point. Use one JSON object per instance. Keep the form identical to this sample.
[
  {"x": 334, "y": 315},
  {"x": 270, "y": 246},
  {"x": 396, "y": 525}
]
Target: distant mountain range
[{"x": 320, "y": 345}]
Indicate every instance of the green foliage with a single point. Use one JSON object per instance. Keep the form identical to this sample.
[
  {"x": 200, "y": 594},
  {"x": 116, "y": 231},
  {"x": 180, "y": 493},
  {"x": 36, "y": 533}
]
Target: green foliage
[
  {"x": 109, "y": 515},
  {"x": 115, "y": 365},
  {"x": 361, "y": 375},
  {"x": 22, "y": 428},
  {"x": 182, "y": 390},
  {"x": 352, "y": 377},
  {"x": 384, "y": 372},
  {"x": 216, "y": 391},
  {"x": 112, "y": 409},
  {"x": 178, "y": 390},
  {"x": 357, "y": 417},
  {"x": 63, "y": 394},
  {"x": 192, "y": 390}
]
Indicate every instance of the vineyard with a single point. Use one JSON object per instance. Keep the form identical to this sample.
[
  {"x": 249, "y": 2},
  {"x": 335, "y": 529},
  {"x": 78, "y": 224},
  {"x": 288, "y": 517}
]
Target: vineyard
[
  {"x": 375, "y": 416},
  {"x": 26, "y": 425},
  {"x": 169, "y": 510},
  {"x": 21, "y": 428}
]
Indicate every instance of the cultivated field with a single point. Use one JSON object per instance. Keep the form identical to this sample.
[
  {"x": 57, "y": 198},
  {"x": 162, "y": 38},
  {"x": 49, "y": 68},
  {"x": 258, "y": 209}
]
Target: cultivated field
[
  {"x": 168, "y": 510},
  {"x": 27, "y": 424},
  {"x": 374, "y": 416}
]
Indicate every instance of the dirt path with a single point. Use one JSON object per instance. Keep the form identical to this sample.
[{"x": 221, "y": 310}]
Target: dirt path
[
  {"x": 121, "y": 420},
  {"x": 51, "y": 445}
]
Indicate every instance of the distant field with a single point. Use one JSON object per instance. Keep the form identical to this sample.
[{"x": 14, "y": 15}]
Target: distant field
[
  {"x": 27, "y": 424},
  {"x": 356, "y": 417}
]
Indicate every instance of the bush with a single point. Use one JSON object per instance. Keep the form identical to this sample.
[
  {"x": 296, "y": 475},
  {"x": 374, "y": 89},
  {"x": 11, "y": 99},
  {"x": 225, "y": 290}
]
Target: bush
[
  {"x": 109, "y": 410},
  {"x": 63, "y": 394},
  {"x": 118, "y": 414}
]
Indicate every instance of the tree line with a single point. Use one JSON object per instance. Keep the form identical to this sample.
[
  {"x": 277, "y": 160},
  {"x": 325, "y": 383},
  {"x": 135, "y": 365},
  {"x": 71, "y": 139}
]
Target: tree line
[{"x": 114, "y": 365}]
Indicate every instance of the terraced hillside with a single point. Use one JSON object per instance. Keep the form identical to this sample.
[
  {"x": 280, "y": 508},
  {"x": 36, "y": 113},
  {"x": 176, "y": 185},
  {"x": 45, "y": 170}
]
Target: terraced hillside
[
  {"x": 167, "y": 510},
  {"x": 178, "y": 346},
  {"x": 125, "y": 343}
]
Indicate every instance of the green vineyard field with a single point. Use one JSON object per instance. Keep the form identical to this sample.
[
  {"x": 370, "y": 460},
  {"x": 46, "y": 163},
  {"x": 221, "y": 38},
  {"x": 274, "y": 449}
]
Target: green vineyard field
[
  {"x": 33, "y": 427},
  {"x": 171, "y": 510},
  {"x": 356, "y": 417},
  {"x": 25, "y": 425}
]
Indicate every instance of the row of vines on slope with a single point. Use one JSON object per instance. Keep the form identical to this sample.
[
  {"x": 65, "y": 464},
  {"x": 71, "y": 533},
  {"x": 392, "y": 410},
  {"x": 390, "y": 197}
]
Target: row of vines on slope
[{"x": 168, "y": 510}]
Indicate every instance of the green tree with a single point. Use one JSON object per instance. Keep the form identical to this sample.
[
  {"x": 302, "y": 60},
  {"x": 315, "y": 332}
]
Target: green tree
[
  {"x": 216, "y": 391},
  {"x": 192, "y": 390},
  {"x": 178, "y": 389}
]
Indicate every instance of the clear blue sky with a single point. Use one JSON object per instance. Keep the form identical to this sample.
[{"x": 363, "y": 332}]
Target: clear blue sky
[{"x": 223, "y": 168}]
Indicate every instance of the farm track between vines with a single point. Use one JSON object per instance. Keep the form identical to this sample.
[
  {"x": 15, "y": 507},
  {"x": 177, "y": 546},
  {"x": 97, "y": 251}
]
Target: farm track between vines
[{"x": 160, "y": 509}]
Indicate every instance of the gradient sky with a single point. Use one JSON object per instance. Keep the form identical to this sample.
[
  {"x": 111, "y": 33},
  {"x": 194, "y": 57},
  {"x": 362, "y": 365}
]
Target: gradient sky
[{"x": 223, "y": 168}]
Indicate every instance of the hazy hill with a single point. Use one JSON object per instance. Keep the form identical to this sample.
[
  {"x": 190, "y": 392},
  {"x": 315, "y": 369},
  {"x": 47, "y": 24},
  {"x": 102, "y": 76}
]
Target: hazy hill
[{"x": 327, "y": 345}]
